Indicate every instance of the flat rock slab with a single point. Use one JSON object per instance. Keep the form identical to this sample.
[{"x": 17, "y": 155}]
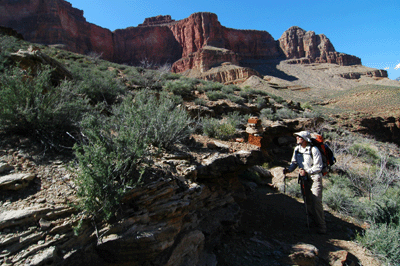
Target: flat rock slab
[
  {"x": 304, "y": 255},
  {"x": 5, "y": 167},
  {"x": 16, "y": 181}
]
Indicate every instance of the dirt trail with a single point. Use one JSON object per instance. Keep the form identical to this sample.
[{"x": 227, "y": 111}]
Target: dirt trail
[{"x": 272, "y": 222}]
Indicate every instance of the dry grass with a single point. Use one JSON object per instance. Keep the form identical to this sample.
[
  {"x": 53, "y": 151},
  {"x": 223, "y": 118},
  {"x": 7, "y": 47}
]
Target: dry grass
[{"x": 372, "y": 99}]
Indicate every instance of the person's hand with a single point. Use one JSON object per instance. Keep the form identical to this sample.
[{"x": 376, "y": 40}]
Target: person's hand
[{"x": 302, "y": 172}]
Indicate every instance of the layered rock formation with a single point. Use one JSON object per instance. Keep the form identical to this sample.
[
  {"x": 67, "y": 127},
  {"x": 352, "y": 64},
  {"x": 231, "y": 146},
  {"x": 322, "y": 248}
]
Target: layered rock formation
[
  {"x": 297, "y": 43},
  {"x": 56, "y": 22},
  {"x": 172, "y": 220},
  {"x": 185, "y": 43}
]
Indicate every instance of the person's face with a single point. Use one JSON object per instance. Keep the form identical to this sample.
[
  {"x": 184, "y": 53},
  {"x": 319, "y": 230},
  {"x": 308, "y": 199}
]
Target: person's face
[{"x": 299, "y": 140}]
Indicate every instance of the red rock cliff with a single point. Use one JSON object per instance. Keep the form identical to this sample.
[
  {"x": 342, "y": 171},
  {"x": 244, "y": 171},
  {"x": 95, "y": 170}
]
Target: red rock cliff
[
  {"x": 56, "y": 22},
  {"x": 162, "y": 40},
  {"x": 297, "y": 43}
]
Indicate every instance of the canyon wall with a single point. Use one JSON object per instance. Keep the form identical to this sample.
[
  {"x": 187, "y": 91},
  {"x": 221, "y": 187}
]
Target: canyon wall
[
  {"x": 296, "y": 43},
  {"x": 161, "y": 40},
  {"x": 56, "y": 22}
]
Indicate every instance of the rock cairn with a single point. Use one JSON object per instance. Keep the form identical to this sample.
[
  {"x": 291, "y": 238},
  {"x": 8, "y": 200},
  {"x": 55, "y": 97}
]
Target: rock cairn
[{"x": 255, "y": 131}]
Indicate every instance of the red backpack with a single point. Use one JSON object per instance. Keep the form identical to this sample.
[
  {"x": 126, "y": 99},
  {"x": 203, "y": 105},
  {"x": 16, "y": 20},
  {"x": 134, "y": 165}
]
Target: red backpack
[{"x": 328, "y": 157}]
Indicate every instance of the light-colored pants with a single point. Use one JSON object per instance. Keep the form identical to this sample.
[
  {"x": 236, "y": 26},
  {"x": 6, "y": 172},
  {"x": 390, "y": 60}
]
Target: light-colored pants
[{"x": 314, "y": 205}]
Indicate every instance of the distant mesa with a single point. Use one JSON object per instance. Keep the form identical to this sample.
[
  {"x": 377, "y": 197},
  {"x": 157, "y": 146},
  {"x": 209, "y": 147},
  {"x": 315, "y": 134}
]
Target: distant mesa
[
  {"x": 158, "y": 20},
  {"x": 198, "y": 42}
]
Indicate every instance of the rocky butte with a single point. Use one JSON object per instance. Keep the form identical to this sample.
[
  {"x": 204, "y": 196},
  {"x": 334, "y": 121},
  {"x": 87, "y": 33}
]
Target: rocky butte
[{"x": 197, "y": 43}]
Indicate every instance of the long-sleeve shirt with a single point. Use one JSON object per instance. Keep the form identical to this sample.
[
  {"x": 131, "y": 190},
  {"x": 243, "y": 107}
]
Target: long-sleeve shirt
[{"x": 308, "y": 158}]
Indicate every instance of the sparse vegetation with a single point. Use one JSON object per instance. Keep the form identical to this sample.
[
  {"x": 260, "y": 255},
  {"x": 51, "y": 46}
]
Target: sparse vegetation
[
  {"x": 32, "y": 106},
  {"x": 220, "y": 129},
  {"x": 119, "y": 116},
  {"x": 110, "y": 154},
  {"x": 367, "y": 188}
]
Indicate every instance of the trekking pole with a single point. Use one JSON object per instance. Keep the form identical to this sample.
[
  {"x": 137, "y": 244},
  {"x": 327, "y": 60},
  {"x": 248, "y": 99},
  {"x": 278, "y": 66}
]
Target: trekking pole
[
  {"x": 284, "y": 183},
  {"x": 284, "y": 195},
  {"x": 303, "y": 192}
]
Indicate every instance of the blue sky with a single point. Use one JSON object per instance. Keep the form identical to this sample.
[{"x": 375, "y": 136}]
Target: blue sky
[{"x": 368, "y": 29}]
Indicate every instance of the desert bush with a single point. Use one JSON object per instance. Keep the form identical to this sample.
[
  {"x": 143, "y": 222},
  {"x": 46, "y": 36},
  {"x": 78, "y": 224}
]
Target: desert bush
[
  {"x": 215, "y": 95},
  {"x": 113, "y": 145},
  {"x": 32, "y": 106},
  {"x": 235, "y": 98},
  {"x": 340, "y": 199},
  {"x": 365, "y": 152},
  {"x": 261, "y": 102},
  {"x": 383, "y": 214},
  {"x": 200, "y": 101},
  {"x": 182, "y": 86},
  {"x": 293, "y": 189},
  {"x": 368, "y": 190},
  {"x": 95, "y": 57},
  {"x": 211, "y": 86},
  {"x": 310, "y": 114},
  {"x": 384, "y": 241},
  {"x": 215, "y": 128},
  {"x": 283, "y": 113},
  {"x": 307, "y": 105},
  {"x": 9, "y": 44},
  {"x": 236, "y": 119},
  {"x": 99, "y": 86},
  {"x": 267, "y": 113},
  {"x": 228, "y": 89}
]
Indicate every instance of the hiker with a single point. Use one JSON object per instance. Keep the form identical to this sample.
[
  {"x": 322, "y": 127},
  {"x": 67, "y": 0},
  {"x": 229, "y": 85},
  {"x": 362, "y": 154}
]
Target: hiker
[{"x": 309, "y": 160}]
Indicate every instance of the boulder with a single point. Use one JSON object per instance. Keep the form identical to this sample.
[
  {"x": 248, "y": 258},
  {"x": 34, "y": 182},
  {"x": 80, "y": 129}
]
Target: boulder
[
  {"x": 278, "y": 178},
  {"x": 16, "y": 181},
  {"x": 188, "y": 250},
  {"x": 304, "y": 255},
  {"x": 339, "y": 258},
  {"x": 33, "y": 61},
  {"x": 5, "y": 167}
]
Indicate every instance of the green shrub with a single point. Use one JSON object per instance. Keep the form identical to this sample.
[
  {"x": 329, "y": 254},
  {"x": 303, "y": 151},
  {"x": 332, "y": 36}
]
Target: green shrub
[
  {"x": 365, "y": 152},
  {"x": 209, "y": 126},
  {"x": 215, "y": 95},
  {"x": 261, "y": 102},
  {"x": 183, "y": 86},
  {"x": 32, "y": 106},
  {"x": 100, "y": 86},
  {"x": 267, "y": 113},
  {"x": 200, "y": 101},
  {"x": 244, "y": 94},
  {"x": 293, "y": 189},
  {"x": 384, "y": 215},
  {"x": 384, "y": 240},
  {"x": 236, "y": 119},
  {"x": 276, "y": 98},
  {"x": 228, "y": 90},
  {"x": 253, "y": 92},
  {"x": 307, "y": 105},
  {"x": 108, "y": 159},
  {"x": 215, "y": 128},
  {"x": 236, "y": 99},
  {"x": 285, "y": 113},
  {"x": 340, "y": 199},
  {"x": 225, "y": 131},
  {"x": 211, "y": 86},
  {"x": 310, "y": 114}
]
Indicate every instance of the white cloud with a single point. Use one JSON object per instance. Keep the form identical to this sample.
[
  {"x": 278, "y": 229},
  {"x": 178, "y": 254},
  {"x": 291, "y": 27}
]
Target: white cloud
[
  {"x": 386, "y": 68},
  {"x": 397, "y": 67}
]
